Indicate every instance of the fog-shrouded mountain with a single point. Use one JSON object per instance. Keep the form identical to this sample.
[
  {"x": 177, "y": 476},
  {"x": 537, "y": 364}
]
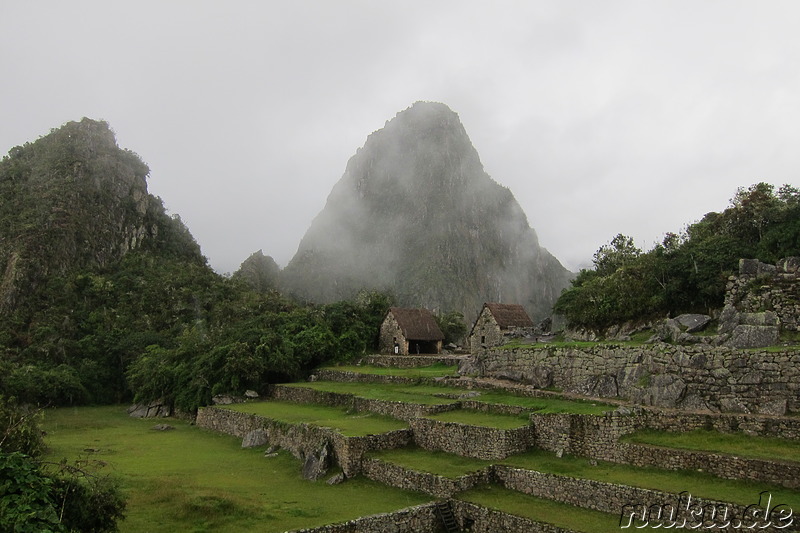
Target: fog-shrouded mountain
[
  {"x": 416, "y": 214},
  {"x": 73, "y": 200}
]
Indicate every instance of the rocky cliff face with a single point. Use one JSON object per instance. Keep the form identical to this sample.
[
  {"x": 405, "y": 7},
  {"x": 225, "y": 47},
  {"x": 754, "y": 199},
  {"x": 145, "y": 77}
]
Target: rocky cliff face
[
  {"x": 73, "y": 200},
  {"x": 415, "y": 213}
]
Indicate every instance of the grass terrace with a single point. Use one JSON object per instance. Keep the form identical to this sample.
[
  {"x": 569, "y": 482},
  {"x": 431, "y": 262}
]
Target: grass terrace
[
  {"x": 541, "y": 510},
  {"x": 420, "y": 394},
  {"x": 345, "y": 422},
  {"x": 672, "y": 481},
  {"x": 432, "y": 394},
  {"x": 433, "y": 371},
  {"x": 437, "y": 462},
  {"x": 194, "y": 480},
  {"x": 479, "y": 418},
  {"x": 772, "y": 448}
]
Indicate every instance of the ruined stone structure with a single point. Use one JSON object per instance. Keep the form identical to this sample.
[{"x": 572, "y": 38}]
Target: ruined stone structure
[
  {"x": 497, "y": 324},
  {"x": 410, "y": 331},
  {"x": 760, "y": 302},
  {"x": 688, "y": 377}
]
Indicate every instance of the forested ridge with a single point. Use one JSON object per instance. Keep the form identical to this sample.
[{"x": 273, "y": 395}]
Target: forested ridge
[
  {"x": 687, "y": 271},
  {"x": 106, "y": 298}
]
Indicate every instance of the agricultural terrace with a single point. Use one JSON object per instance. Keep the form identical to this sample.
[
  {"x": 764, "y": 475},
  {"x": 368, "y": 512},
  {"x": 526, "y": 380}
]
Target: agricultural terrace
[
  {"x": 441, "y": 394},
  {"x": 673, "y": 481},
  {"x": 345, "y": 422}
]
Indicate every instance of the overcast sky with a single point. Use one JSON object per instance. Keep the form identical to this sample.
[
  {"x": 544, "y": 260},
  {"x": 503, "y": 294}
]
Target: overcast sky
[{"x": 609, "y": 117}]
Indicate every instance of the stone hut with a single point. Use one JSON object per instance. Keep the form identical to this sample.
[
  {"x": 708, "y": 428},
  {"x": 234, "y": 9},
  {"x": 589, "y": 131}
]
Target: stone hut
[
  {"x": 410, "y": 331},
  {"x": 497, "y": 324}
]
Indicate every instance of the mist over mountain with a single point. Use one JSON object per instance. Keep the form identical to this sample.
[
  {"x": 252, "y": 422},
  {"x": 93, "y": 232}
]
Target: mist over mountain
[{"x": 416, "y": 214}]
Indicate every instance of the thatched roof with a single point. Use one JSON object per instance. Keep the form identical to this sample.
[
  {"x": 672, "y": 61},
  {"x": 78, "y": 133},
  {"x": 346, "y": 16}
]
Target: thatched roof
[
  {"x": 509, "y": 315},
  {"x": 417, "y": 324}
]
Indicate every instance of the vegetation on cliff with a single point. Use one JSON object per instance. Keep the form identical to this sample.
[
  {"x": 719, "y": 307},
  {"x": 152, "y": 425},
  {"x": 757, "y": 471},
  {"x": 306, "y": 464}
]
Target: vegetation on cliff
[
  {"x": 104, "y": 296},
  {"x": 686, "y": 272}
]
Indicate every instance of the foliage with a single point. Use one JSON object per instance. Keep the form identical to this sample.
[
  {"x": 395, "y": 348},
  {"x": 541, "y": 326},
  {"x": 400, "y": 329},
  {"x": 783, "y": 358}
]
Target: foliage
[
  {"x": 686, "y": 272},
  {"x": 19, "y": 429},
  {"x": 453, "y": 326},
  {"x": 40, "y": 497}
]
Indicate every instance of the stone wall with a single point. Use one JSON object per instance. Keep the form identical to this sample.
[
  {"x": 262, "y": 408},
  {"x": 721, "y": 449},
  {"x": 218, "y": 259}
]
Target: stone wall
[
  {"x": 471, "y": 441},
  {"x": 395, "y": 409},
  {"x": 410, "y": 520},
  {"x": 302, "y": 440},
  {"x": 435, "y": 485},
  {"x": 761, "y": 287},
  {"x": 391, "y": 335},
  {"x": 686, "y": 377},
  {"x": 608, "y": 497},
  {"x": 343, "y": 376},
  {"x": 484, "y": 520},
  {"x": 598, "y": 437},
  {"x": 411, "y": 361}
]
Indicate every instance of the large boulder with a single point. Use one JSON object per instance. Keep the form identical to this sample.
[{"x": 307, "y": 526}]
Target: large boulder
[
  {"x": 256, "y": 437},
  {"x": 693, "y": 322},
  {"x": 155, "y": 409},
  {"x": 750, "y": 336},
  {"x": 316, "y": 464}
]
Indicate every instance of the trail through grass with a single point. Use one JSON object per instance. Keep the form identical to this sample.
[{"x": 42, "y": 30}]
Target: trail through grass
[{"x": 193, "y": 480}]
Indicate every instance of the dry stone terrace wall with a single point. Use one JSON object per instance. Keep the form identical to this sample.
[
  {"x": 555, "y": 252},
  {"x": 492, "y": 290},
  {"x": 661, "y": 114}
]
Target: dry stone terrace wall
[
  {"x": 598, "y": 437},
  {"x": 613, "y": 498},
  {"x": 471, "y": 441},
  {"x": 411, "y": 361},
  {"x": 395, "y": 409},
  {"x": 421, "y": 518},
  {"x": 302, "y": 439},
  {"x": 686, "y": 377},
  {"x": 484, "y": 520},
  {"x": 435, "y": 485}
]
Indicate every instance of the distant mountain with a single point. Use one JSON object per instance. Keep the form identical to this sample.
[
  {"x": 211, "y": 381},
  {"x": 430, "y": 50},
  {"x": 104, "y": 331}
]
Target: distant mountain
[
  {"x": 416, "y": 214},
  {"x": 260, "y": 272}
]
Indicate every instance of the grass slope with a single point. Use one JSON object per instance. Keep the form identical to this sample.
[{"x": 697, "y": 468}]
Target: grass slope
[{"x": 192, "y": 480}]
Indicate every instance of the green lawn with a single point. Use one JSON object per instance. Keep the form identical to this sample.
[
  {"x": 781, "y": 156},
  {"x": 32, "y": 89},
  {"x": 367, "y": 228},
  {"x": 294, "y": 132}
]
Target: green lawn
[
  {"x": 338, "y": 418},
  {"x": 478, "y": 418},
  {"x": 729, "y": 443},
  {"x": 432, "y": 371},
  {"x": 192, "y": 480},
  {"x": 540, "y": 510}
]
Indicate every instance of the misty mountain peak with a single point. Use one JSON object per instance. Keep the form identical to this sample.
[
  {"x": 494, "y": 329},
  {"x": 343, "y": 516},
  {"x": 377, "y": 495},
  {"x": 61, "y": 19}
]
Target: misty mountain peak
[{"x": 415, "y": 213}]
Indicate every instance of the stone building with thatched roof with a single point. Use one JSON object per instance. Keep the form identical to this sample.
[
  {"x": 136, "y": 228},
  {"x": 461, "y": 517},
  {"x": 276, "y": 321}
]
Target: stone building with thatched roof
[
  {"x": 410, "y": 331},
  {"x": 497, "y": 324}
]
